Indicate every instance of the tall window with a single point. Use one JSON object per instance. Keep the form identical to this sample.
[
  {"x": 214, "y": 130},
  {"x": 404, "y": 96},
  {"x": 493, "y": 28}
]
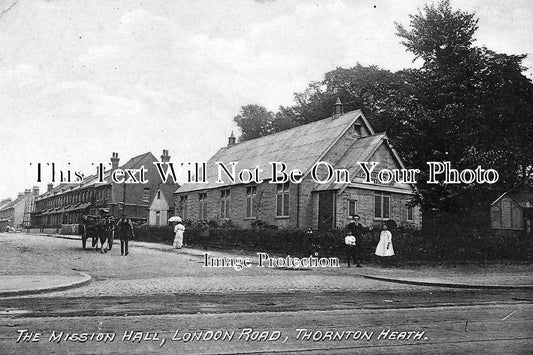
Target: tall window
[
  {"x": 224, "y": 203},
  {"x": 202, "y": 206},
  {"x": 382, "y": 205},
  {"x": 146, "y": 194},
  {"x": 352, "y": 208},
  {"x": 409, "y": 213},
  {"x": 251, "y": 191},
  {"x": 282, "y": 200},
  {"x": 183, "y": 206}
]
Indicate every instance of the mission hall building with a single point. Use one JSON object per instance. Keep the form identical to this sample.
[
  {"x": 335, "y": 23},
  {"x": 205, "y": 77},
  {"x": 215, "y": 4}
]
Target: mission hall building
[{"x": 342, "y": 141}]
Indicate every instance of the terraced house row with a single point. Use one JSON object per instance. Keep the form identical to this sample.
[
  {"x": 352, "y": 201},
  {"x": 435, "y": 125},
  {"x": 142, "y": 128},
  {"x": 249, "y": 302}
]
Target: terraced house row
[{"x": 66, "y": 204}]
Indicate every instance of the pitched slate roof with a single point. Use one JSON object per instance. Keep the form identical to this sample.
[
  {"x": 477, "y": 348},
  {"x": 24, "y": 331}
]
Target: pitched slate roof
[
  {"x": 133, "y": 163},
  {"x": 522, "y": 195},
  {"x": 91, "y": 180},
  {"x": 12, "y": 203},
  {"x": 299, "y": 147},
  {"x": 362, "y": 148}
]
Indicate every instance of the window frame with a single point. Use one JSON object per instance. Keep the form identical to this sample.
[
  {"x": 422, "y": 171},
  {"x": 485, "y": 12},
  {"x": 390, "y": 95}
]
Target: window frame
[
  {"x": 225, "y": 200},
  {"x": 382, "y": 196},
  {"x": 250, "y": 211},
  {"x": 283, "y": 200},
  {"x": 411, "y": 212},
  {"x": 355, "y": 203},
  {"x": 184, "y": 201},
  {"x": 202, "y": 206},
  {"x": 146, "y": 194}
]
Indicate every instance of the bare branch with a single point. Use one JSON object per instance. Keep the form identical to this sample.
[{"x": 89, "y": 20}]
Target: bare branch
[{"x": 3, "y": 12}]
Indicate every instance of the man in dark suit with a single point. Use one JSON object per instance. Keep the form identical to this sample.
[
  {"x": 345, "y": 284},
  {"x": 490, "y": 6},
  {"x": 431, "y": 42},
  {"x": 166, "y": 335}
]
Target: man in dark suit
[
  {"x": 204, "y": 233},
  {"x": 125, "y": 233}
]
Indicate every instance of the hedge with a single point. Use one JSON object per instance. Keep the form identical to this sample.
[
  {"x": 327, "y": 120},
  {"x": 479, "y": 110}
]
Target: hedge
[{"x": 409, "y": 245}]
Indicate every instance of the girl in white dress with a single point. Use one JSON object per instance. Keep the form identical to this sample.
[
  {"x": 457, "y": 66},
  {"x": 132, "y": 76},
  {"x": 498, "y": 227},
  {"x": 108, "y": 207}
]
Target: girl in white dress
[{"x": 384, "y": 247}]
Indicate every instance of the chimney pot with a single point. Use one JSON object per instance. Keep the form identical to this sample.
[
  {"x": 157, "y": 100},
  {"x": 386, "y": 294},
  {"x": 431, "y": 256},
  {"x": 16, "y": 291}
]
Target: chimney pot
[
  {"x": 165, "y": 158},
  {"x": 49, "y": 187},
  {"x": 114, "y": 161}
]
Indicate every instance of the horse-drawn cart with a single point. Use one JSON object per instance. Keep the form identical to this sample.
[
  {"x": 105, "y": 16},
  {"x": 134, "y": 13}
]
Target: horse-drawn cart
[{"x": 97, "y": 228}]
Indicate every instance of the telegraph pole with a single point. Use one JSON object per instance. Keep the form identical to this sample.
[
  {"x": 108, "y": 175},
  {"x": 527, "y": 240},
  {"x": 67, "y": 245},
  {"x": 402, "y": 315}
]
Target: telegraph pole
[{"x": 124, "y": 200}]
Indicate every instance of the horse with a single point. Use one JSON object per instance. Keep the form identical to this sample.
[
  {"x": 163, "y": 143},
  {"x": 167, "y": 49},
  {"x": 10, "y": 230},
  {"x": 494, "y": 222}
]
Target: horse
[{"x": 105, "y": 233}]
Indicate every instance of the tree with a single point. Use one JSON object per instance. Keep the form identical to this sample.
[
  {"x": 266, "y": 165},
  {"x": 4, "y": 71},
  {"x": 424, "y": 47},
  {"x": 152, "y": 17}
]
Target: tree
[
  {"x": 439, "y": 35},
  {"x": 467, "y": 105},
  {"x": 473, "y": 107},
  {"x": 377, "y": 92},
  {"x": 254, "y": 121}
]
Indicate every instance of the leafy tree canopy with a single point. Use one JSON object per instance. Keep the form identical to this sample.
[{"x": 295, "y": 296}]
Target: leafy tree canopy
[
  {"x": 254, "y": 121},
  {"x": 466, "y": 104}
]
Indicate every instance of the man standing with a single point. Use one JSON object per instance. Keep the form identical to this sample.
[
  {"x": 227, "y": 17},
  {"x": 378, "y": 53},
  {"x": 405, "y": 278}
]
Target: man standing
[
  {"x": 312, "y": 243},
  {"x": 355, "y": 227},
  {"x": 125, "y": 233},
  {"x": 355, "y": 230},
  {"x": 204, "y": 233}
]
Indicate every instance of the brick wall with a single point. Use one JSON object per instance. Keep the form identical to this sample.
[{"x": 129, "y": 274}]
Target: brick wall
[
  {"x": 136, "y": 205},
  {"x": 366, "y": 208},
  {"x": 264, "y": 205}
]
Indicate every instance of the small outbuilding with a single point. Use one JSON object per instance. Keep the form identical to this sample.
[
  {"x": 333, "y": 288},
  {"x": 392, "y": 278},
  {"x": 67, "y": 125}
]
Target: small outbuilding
[
  {"x": 513, "y": 210},
  {"x": 160, "y": 210}
]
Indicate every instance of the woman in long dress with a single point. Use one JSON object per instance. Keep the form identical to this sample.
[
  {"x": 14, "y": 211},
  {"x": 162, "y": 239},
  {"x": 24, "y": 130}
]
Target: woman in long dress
[
  {"x": 384, "y": 248},
  {"x": 178, "y": 239}
]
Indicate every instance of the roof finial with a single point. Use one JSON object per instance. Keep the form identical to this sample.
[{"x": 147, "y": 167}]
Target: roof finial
[
  {"x": 231, "y": 140},
  {"x": 338, "y": 109}
]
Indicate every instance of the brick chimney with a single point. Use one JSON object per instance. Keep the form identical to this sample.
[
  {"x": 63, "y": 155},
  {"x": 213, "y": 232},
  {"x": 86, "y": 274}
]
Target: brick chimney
[
  {"x": 338, "y": 109},
  {"x": 20, "y": 194},
  {"x": 49, "y": 187},
  {"x": 35, "y": 191},
  {"x": 114, "y": 161},
  {"x": 231, "y": 140},
  {"x": 27, "y": 192},
  {"x": 165, "y": 158}
]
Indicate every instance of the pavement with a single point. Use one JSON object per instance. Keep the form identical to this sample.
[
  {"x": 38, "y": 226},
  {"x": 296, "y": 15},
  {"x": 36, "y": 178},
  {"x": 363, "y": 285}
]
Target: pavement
[
  {"x": 19, "y": 285},
  {"x": 475, "y": 276}
]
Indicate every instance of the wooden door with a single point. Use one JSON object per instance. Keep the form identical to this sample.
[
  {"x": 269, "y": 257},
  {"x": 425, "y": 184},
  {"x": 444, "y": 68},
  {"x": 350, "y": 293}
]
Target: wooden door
[{"x": 326, "y": 210}]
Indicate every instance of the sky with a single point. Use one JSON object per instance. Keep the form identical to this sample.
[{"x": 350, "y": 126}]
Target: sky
[{"x": 82, "y": 79}]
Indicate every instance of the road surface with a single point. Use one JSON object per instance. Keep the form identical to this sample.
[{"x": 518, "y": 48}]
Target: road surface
[{"x": 166, "y": 302}]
